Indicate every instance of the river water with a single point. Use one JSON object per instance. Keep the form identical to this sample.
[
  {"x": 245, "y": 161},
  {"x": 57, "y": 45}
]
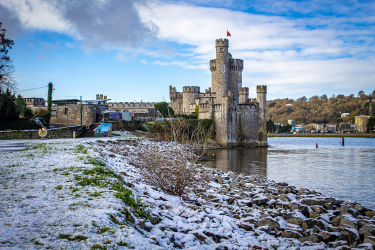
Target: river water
[{"x": 346, "y": 172}]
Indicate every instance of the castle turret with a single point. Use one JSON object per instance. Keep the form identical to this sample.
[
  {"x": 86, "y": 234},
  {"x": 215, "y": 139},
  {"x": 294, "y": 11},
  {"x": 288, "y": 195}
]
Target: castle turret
[
  {"x": 189, "y": 95},
  {"x": 243, "y": 94},
  {"x": 261, "y": 99},
  {"x": 220, "y": 68}
]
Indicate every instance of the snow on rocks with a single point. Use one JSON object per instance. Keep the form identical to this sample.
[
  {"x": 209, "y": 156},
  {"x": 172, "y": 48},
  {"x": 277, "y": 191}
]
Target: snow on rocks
[{"x": 237, "y": 211}]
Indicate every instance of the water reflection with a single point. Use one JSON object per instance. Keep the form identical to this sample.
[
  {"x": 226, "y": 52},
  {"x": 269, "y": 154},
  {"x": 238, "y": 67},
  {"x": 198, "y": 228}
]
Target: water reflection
[{"x": 250, "y": 161}]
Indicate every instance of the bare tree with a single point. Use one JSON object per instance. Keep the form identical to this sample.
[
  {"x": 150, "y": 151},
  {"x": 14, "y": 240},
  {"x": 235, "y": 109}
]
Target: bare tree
[{"x": 6, "y": 66}]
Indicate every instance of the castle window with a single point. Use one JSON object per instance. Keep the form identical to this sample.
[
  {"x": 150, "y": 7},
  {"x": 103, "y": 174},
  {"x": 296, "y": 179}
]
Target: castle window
[
  {"x": 223, "y": 68},
  {"x": 221, "y": 49},
  {"x": 66, "y": 111}
]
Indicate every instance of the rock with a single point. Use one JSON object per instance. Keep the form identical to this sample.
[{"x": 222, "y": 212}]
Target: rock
[
  {"x": 216, "y": 236},
  {"x": 329, "y": 236},
  {"x": 367, "y": 230},
  {"x": 370, "y": 213},
  {"x": 154, "y": 220},
  {"x": 265, "y": 229},
  {"x": 291, "y": 234},
  {"x": 199, "y": 236},
  {"x": 305, "y": 210},
  {"x": 366, "y": 246},
  {"x": 259, "y": 200},
  {"x": 314, "y": 238},
  {"x": 348, "y": 221},
  {"x": 344, "y": 209},
  {"x": 370, "y": 239},
  {"x": 244, "y": 225},
  {"x": 284, "y": 197},
  {"x": 295, "y": 220},
  {"x": 230, "y": 200},
  {"x": 318, "y": 209},
  {"x": 336, "y": 221},
  {"x": 313, "y": 201},
  {"x": 310, "y": 223},
  {"x": 336, "y": 244},
  {"x": 360, "y": 208},
  {"x": 267, "y": 222},
  {"x": 349, "y": 235},
  {"x": 329, "y": 206},
  {"x": 314, "y": 215}
]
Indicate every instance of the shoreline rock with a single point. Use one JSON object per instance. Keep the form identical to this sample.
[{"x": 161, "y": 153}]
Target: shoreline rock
[{"x": 229, "y": 206}]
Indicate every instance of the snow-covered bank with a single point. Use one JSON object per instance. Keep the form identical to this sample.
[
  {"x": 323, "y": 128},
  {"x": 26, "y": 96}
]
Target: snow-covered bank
[{"x": 45, "y": 205}]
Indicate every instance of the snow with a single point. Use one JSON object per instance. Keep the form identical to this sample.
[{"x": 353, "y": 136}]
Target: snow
[{"x": 41, "y": 205}]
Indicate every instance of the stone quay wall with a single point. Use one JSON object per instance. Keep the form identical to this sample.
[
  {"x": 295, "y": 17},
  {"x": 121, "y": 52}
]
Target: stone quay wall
[{"x": 56, "y": 133}]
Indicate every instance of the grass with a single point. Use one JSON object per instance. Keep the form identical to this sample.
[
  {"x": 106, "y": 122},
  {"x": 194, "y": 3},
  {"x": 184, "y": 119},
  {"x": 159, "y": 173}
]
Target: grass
[{"x": 104, "y": 177}]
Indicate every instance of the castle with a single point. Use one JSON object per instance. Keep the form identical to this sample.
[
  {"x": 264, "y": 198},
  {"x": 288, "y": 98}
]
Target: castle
[{"x": 238, "y": 120}]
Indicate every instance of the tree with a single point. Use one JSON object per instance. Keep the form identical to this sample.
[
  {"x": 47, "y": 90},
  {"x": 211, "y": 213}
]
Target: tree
[
  {"x": 164, "y": 109},
  {"x": 6, "y": 66},
  {"x": 371, "y": 125},
  {"x": 8, "y": 112},
  {"x": 20, "y": 105},
  {"x": 360, "y": 93},
  {"x": 270, "y": 126}
]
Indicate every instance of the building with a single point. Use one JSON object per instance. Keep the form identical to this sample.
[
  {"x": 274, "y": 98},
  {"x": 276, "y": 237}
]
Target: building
[
  {"x": 237, "y": 120},
  {"x": 73, "y": 112},
  {"x": 344, "y": 115},
  {"x": 36, "y": 103},
  {"x": 361, "y": 123},
  {"x": 292, "y": 123}
]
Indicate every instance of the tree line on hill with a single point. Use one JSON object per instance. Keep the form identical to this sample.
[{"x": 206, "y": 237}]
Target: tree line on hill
[{"x": 321, "y": 109}]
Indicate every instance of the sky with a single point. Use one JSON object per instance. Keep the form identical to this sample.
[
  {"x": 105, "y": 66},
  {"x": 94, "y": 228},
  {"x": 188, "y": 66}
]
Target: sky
[{"x": 133, "y": 50}]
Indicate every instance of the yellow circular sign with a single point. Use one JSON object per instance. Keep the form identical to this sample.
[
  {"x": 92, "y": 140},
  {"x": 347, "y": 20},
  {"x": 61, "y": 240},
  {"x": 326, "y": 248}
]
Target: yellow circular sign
[{"x": 42, "y": 132}]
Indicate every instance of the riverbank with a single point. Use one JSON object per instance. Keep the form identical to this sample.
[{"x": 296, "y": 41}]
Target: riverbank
[
  {"x": 63, "y": 194},
  {"x": 321, "y": 135}
]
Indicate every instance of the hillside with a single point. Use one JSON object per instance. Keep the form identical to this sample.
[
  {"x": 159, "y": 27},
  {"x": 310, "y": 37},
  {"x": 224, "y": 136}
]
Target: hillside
[{"x": 321, "y": 109}]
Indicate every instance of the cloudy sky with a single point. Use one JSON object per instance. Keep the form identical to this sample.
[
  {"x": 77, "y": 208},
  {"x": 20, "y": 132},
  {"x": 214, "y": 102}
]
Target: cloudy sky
[{"x": 132, "y": 50}]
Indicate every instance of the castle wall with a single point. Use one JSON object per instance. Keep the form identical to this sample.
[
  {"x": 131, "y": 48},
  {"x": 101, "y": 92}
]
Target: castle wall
[
  {"x": 135, "y": 107},
  {"x": 189, "y": 95}
]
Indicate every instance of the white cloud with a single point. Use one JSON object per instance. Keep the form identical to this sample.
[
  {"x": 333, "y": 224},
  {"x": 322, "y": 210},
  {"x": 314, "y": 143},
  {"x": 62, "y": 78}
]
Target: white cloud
[{"x": 293, "y": 56}]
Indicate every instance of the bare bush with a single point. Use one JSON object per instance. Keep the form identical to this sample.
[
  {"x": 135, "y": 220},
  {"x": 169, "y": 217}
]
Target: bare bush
[{"x": 169, "y": 167}]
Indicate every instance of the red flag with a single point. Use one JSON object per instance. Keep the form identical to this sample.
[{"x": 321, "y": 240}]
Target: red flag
[{"x": 228, "y": 34}]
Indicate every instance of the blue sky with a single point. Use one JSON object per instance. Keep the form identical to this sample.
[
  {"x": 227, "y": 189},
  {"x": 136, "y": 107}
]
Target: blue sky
[{"x": 133, "y": 50}]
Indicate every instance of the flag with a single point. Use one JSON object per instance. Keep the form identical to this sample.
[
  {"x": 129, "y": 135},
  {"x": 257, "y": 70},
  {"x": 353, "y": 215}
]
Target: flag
[{"x": 228, "y": 34}]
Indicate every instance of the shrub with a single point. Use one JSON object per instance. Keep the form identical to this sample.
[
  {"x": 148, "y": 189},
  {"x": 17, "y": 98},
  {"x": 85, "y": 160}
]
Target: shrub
[
  {"x": 21, "y": 124},
  {"x": 8, "y": 111},
  {"x": 170, "y": 169}
]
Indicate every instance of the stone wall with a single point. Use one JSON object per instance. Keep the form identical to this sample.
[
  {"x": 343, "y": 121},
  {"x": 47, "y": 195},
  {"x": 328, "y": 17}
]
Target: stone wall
[
  {"x": 69, "y": 115},
  {"x": 57, "y": 133}
]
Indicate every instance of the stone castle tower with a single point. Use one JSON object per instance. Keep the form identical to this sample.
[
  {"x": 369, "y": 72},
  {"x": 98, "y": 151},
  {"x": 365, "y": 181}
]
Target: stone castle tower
[{"x": 237, "y": 120}]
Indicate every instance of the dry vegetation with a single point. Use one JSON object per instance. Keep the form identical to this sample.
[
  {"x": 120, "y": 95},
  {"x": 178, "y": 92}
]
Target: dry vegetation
[{"x": 321, "y": 109}]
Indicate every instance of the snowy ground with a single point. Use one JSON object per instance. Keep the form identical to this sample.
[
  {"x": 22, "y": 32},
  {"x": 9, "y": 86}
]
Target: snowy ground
[
  {"x": 41, "y": 205},
  {"x": 55, "y": 195}
]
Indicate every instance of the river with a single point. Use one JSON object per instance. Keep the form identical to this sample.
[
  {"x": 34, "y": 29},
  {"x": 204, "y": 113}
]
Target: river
[{"x": 346, "y": 172}]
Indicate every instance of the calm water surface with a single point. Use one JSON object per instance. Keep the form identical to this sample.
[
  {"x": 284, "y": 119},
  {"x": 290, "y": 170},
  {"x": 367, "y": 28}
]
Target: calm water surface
[{"x": 346, "y": 172}]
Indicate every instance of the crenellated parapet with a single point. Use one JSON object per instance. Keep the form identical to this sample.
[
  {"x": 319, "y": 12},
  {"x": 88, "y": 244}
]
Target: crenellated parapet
[
  {"x": 236, "y": 64},
  {"x": 222, "y": 42},
  {"x": 191, "y": 89},
  {"x": 261, "y": 88},
  {"x": 243, "y": 91}
]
